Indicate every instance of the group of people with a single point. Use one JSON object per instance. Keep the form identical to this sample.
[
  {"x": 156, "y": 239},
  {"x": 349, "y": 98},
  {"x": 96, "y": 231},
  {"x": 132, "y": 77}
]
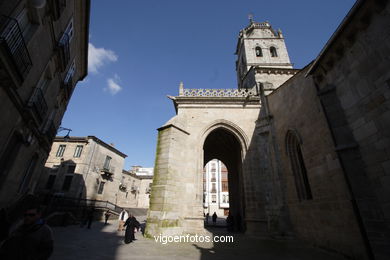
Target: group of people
[
  {"x": 233, "y": 224},
  {"x": 129, "y": 223},
  {"x": 213, "y": 217},
  {"x": 31, "y": 238}
]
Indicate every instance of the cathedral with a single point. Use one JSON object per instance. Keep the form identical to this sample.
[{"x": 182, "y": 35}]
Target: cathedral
[{"x": 307, "y": 150}]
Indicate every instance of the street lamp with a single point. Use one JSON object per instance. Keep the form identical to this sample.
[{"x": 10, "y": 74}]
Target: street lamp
[{"x": 66, "y": 137}]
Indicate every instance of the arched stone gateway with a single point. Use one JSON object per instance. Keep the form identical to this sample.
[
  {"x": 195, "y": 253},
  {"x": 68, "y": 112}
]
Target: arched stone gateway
[{"x": 204, "y": 128}]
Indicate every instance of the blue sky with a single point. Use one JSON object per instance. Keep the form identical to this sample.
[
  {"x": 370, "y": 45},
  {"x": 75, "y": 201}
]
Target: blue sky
[{"x": 140, "y": 51}]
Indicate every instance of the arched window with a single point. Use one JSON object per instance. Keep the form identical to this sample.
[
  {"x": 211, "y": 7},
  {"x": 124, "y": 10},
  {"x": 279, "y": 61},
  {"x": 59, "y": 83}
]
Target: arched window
[
  {"x": 259, "y": 53},
  {"x": 273, "y": 52},
  {"x": 293, "y": 147}
]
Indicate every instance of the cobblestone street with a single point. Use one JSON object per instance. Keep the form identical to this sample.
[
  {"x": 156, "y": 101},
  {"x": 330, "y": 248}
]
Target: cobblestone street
[{"x": 104, "y": 242}]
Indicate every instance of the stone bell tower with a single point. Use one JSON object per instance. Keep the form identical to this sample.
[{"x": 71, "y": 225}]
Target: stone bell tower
[{"x": 262, "y": 57}]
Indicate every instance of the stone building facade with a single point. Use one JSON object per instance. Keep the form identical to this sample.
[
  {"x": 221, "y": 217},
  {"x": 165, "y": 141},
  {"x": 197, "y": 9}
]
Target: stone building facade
[
  {"x": 215, "y": 188},
  {"x": 83, "y": 167},
  {"x": 43, "y": 54},
  {"x": 310, "y": 149},
  {"x": 135, "y": 187}
]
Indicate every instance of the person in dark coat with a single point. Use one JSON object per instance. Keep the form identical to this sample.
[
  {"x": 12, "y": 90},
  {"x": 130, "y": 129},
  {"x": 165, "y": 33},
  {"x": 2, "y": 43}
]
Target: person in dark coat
[
  {"x": 130, "y": 224},
  {"x": 31, "y": 240},
  {"x": 106, "y": 216},
  {"x": 230, "y": 222},
  {"x": 90, "y": 217},
  {"x": 214, "y": 217}
]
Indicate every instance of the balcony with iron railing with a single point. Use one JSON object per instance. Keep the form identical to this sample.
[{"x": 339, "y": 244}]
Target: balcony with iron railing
[
  {"x": 57, "y": 7},
  {"x": 63, "y": 50},
  {"x": 38, "y": 105},
  {"x": 13, "y": 47},
  {"x": 107, "y": 171}
]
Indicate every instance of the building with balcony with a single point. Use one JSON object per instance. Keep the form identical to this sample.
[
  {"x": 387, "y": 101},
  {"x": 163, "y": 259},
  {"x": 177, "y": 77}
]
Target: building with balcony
[
  {"x": 136, "y": 187},
  {"x": 43, "y": 54},
  {"x": 83, "y": 167},
  {"x": 215, "y": 188}
]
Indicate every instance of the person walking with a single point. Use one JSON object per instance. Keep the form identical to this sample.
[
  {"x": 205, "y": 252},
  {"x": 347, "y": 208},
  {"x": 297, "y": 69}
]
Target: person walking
[
  {"x": 207, "y": 218},
  {"x": 131, "y": 224},
  {"x": 107, "y": 216},
  {"x": 214, "y": 218},
  {"x": 90, "y": 217},
  {"x": 33, "y": 239},
  {"x": 123, "y": 216}
]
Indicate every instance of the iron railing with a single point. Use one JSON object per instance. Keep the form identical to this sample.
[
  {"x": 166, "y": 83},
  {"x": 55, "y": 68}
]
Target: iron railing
[
  {"x": 64, "y": 51},
  {"x": 12, "y": 43},
  {"x": 38, "y": 103},
  {"x": 108, "y": 168},
  {"x": 55, "y": 203}
]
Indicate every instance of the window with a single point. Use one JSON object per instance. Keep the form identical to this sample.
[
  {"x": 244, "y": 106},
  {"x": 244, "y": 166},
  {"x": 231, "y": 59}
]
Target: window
[
  {"x": 77, "y": 151},
  {"x": 273, "y": 52},
  {"x": 293, "y": 147},
  {"x": 67, "y": 183},
  {"x": 259, "y": 53},
  {"x": 225, "y": 186},
  {"x": 213, "y": 198},
  {"x": 101, "y": 187},
  {"x": 69, "y": 75},
  {"x": 28, "y": 174},
  {"x": 213, "y": 176},
  {"x": 9, "y": 154},
  {"x": 107, "y": 162},
  {"x": 214, "y": 188},
  {"x": 50, "y": 182},
  {"x": 61, "y": 150},
  {"x": 71, "y": 168}
]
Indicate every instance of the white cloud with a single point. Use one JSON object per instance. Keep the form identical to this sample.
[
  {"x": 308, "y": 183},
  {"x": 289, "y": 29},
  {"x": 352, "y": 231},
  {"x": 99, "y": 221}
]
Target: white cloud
[
  {"x": 97, "y": 57},
  {"x": 113, "y": 86}
]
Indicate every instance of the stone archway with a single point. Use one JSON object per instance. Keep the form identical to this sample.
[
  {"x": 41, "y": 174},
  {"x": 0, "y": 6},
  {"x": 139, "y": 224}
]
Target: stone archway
[
  {"x": 185, "y": 143},
  {"x": 223, "y": 144}
]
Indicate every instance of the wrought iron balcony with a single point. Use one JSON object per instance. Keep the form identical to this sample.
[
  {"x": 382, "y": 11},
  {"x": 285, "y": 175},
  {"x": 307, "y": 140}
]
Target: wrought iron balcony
[
  {"x": 108, "y": 169},
  {"x": 38, "y": 104},
  {"x": 13, "y": 47},
  {"x": 57, "y": 7},
  {"x": 63, "y": 50}
]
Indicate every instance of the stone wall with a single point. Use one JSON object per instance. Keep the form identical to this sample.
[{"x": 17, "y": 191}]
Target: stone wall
[{"x": 328, "y": 219}]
